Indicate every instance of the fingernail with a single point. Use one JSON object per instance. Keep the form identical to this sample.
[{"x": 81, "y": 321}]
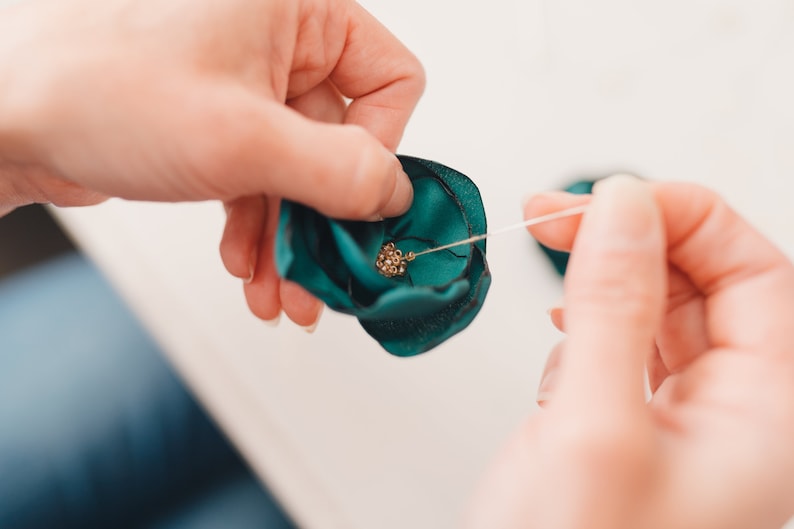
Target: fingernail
[
  {"x": 403, "y": 194},
  {"x": 546, "y": 387},
  {"x": 309, "y": 329},
  {"x": 313, "y": 327},
  {"x": 274, "y": 322},
  {"x": 549, "y": 378},
  {"x": 251, "y": 266},
  {"x": 617, "y": 198},
  {"x": 603, "y": 183}
]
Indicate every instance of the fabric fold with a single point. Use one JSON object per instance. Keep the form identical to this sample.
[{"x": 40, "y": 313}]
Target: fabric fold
[{"x": 441, "y": 292}]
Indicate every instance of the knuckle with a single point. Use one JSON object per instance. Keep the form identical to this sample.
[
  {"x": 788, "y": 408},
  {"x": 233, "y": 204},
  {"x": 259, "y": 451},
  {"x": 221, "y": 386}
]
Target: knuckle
[
  {"x": 619, "y": 288},
  {"x": 628, "y": 298},
  {"x": 416, "y": 75}
]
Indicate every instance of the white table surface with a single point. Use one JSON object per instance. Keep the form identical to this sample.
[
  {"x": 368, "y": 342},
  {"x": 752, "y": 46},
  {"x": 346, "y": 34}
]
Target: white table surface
[{"x": 523, "y": 95}]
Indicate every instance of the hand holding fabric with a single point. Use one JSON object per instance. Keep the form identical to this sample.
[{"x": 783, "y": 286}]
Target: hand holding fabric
[
  {"x": 439, "y": 294},
  {"x": 668, "y": 276},
  {"x": 237, "y": 100}
]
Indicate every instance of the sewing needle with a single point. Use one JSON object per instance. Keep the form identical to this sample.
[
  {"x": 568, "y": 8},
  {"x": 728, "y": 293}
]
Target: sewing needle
[{"x": 570, "y": 212}]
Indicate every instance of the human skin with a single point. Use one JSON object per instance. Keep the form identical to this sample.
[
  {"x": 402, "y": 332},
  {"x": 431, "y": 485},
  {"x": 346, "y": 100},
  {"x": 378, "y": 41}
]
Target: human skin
[
  {"x": 241, "y": 101},
  {"x": 665, "y": 276}
]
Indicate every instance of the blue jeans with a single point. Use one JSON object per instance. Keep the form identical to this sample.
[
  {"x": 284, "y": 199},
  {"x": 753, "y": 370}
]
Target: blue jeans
[{"x": 95, "y": 429}]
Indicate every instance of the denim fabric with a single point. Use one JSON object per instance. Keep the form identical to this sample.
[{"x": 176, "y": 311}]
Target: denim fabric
[{"x": 95, "y": 429}]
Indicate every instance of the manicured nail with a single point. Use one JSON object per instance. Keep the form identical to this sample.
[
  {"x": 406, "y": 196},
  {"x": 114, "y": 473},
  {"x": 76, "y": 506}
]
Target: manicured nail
[
  {"x": 309, "y": 329},
  {"x": 251, "y": 265},
  {"x": 610, "y": 180},
  {"x": 313, "y": 327},
  {"x": 616, "y": 199},
  {"x": 403, "y": 194},
  {"x": 274, "y": 322}
]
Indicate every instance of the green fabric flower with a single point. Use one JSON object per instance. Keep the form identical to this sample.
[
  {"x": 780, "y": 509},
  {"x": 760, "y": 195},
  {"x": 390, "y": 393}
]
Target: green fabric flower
[{"x": 441, "y": 292}]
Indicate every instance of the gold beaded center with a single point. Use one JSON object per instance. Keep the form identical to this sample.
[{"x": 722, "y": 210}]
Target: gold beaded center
[{"x": 391, "y": 262}]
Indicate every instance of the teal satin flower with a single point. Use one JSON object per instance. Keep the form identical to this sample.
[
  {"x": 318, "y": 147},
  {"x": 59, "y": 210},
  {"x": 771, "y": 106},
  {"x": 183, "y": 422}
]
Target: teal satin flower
[{"x": 441, "y": 292}]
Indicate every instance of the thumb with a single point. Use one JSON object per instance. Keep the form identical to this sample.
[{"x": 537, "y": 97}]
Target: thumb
[
  {"x": 614, "y": 296},
  {"x": 340, "y": 170}
]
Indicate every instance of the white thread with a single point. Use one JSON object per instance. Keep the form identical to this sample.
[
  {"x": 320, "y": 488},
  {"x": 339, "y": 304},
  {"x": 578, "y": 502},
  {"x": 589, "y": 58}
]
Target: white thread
[{"x": 570, "y": 212}]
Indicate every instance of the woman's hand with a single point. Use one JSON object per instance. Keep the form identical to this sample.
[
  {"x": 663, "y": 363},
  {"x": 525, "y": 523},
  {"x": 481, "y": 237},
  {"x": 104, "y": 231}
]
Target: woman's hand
[
  {"x": 664, "y": 276},
  {"x": 245, "y": 101}
]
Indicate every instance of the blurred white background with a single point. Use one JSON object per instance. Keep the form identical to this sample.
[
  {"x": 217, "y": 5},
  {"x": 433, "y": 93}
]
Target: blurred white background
[{"x": 523, "y": 96}]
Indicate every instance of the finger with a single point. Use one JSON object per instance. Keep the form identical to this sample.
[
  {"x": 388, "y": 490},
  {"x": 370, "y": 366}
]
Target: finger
[
  {"x": 268, "y": 148},
  {"x": 245, "y": 219},
  {"x": 557, "y": 315},
  {"x": 38, "y": 185},
  {"x": 614, "y": 298},
  {"x": 657, "y": 371},
  {"x": 321, "y": 103},
  {"x": 655, "y": 365},
  {"x": 548, "y": 380},
  {"x": 683, "y": 336},
  {"x": 300, "y": 306},
  {"x": 385, "y": 97},
  {"x": 559, "y": 234},
  {"x": 748, "y": 284},
  {"x": 262, "y": 292}
]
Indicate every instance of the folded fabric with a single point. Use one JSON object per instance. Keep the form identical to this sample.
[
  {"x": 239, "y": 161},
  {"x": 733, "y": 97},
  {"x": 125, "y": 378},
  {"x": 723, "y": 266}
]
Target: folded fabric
[{"x": 440, "y": 293}]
